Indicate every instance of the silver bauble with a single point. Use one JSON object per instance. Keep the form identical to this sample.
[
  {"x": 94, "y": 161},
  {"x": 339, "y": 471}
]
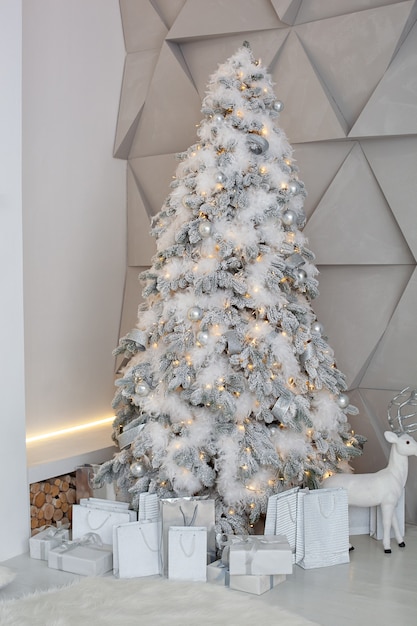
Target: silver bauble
[
  {"x": 137, "y": 469},
  {"x": 293, "y": 188},
  {"x": 203, "y": 337},
  {"x": 301, "y": 275},
  {"x": 317, "y": 327},
  {"x": 278, "y": 106},
  {"x": 142, "y": 388},
  {"x": 205, "y": 229},
  {"x": 288, "y": 218},
  {"x": 343, "y": 400},
  {"x": 218, "y": 117},
  {"x": 195, "y": 314},
  {"x": 220, "y": 178},
  {"x": 257, "y": 144}
]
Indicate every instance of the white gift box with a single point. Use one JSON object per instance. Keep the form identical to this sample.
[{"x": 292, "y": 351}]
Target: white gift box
[
  {"x": 187, "y": 553},
  {"x": 91, "y": 517},
  {"x": 261, "y": 555},
  {"x": 255, "y": 584},
  {"x": 218, "y": 573},
  {"x": 137, "y": 549},
  {"x": 41, "y": 543},
  {"x": 82, "y": 557},
  {"x": 359, "y": 520}
]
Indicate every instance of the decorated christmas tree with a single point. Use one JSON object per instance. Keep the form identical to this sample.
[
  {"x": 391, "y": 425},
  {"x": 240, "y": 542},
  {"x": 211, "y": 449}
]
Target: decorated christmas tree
[{"x": 230, "y": 389}]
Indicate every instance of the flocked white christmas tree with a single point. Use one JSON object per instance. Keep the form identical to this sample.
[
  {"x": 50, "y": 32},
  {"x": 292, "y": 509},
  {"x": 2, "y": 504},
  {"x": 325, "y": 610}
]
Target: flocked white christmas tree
[{"x": 230, "y": 388}]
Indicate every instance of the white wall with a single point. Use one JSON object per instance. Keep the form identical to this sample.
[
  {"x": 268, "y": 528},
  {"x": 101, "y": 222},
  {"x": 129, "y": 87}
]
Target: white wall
[
  {"x": 14, "y": 519},
  {"x": 73, "y": 209},
  {"x": 70, "y": 205}
]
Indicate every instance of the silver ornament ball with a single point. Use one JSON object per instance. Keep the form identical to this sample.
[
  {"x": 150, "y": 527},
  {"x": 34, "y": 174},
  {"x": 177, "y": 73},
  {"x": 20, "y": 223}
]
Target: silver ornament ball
[
  {"x": 257, "y": 144},
  {"x": 301, "y": 276},
  {"x": 293, "y": 188},
  {"x": 137, "y": 469},
  {"x": 205, "y": 229},
  {"x": 317, "y": 327},
  {"x": 142, "y": 388},
  {"x": 195, "y": 314},
  {"x": 288, "y": 218},
  {"x": 278, "y": 106},
  {"x": 220, "y": 178},
  {"x": 203, "y": 337},
  {"x": 343, "y": 400}
]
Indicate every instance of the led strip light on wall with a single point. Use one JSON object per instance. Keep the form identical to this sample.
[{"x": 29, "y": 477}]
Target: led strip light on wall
[{"x": 67, "y": 431}]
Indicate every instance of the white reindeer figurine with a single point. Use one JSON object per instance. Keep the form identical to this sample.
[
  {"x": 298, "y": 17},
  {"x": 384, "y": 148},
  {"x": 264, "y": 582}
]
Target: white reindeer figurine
[{"x": 382, "y": 488}]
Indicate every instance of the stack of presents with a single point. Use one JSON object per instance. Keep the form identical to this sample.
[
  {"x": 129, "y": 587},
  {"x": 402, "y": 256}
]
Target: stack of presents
[{"x": 176, "y": 538}]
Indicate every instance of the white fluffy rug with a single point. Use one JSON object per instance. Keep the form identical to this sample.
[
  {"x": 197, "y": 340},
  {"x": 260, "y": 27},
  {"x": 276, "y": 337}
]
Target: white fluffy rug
[{"x": 143, "y": 602}]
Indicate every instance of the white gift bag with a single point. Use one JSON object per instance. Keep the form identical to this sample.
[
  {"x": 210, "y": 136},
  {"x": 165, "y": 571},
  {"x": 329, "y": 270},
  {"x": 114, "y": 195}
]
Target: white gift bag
[
  {"x": 281, "y": 516},
  {"x": 87, "y": 519},
  {"x": 148, "y": 507},
  {"x": 188, "y": 511},
  {"x": 322, "y": 528},
  {"x": 187, "y": 553},
  {"x": 137, "y": 549}
]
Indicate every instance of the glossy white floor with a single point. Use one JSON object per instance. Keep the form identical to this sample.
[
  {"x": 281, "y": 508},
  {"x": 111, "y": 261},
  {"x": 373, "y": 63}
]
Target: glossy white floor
[{"x": 374, "y": 588}]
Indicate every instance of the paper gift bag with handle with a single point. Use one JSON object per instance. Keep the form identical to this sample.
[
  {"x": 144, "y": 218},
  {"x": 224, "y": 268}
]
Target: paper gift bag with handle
[
  {"x": 87, "y": 519},
  {"x": 322, "y": 528},
  {"x": 188, "y": 511},
  {"x": 137, "y": 549},
  {"x": 187, "y": 553},
  {"x": 281, "y": 516}
]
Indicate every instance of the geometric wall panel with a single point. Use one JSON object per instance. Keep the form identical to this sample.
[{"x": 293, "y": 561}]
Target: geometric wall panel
[
  {"x": 311, "y": 11},
  {"x": 394, "y": 365},
  {"x": 161, "y": 114},
  {"x": 394, "y": 163},
  {"x": 137, "y": 75},
  {"x": 140, "y": 245},
  {"x": 353, "y": 300},
  {"x": 346, "y": 72},
  {"x": 318, "y": 164},
  {"x": 153, "y": 176},
  {"x": 200, "y": 18},
  {"x": 286, "y": 9},
  {"x": 392, "y": 109},
  {"x": 345, "y": 39},
  {"x": 353, "y": 223},
  {"x": 309, "y": 113},
  {"x": 143, "y": 28},
  {"x": 203, "y": 56},
  {"x": 132, "y": 297},
  {"x": 168, "y": 9}
]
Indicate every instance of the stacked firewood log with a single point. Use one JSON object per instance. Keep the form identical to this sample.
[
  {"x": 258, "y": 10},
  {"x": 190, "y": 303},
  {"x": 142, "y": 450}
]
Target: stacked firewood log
[{"x": 51, "y": 501}]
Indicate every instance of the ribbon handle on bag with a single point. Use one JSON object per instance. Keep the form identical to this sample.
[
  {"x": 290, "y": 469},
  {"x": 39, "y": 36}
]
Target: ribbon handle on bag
[
  {"x": 193, "y": 517},
  {"x": 100, "y": 525},
  {"x": 187, "y": 554}
]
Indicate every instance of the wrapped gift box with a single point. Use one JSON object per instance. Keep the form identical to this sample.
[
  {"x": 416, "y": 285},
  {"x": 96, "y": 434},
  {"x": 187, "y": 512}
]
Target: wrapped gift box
[
  {"x": 41, "y": 543},
  {"x": 260, "y": 555},
  {"x": 255, "y": 584},
  {"x": 82, "y": 557},
  {"x": 218, "y": 573}
]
